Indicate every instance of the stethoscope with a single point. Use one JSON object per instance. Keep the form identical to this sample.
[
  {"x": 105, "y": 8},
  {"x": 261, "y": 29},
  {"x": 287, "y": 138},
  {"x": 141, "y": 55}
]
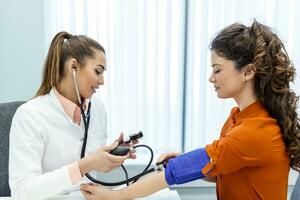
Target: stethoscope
[{"x": 86, "y": 122}]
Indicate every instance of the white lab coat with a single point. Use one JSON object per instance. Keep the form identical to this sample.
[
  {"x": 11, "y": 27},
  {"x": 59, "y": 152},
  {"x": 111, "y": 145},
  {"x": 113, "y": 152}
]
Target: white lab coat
[{"x": 43, "y": 141}]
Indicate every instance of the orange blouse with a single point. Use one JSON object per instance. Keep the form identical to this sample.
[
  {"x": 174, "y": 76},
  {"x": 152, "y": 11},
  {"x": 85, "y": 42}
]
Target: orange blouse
[{"x": 249, "y": 159}]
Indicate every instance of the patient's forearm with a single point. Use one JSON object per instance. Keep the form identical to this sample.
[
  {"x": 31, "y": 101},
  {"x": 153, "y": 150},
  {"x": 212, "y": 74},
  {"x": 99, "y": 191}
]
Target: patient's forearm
[
  {"x": 192, "y": 163},
  {"x": 146, "y": 186}
]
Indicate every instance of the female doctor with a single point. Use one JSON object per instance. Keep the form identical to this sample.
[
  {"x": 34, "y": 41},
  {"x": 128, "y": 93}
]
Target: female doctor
[
  {"x": 47, "y": 132},
  {"x": 259, "y": 141}
]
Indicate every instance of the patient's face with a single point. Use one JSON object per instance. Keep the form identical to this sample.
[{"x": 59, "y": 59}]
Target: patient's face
[{"x": 228, "y": 81}]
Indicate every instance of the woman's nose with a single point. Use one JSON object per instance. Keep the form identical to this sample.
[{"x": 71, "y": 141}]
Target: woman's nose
[
  {"x": 212, "y": 78},
  {"x": 101, "y": 80}
]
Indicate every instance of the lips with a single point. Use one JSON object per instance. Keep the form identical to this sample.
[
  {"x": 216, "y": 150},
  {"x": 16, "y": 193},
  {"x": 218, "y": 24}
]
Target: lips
[
  {"x": 216, "y": 88},
  {"x": 95, "y": 88}
]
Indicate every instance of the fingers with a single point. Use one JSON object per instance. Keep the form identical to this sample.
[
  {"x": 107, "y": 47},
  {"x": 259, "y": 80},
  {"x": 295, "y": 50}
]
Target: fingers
[
  {"x": 161, "y": 158},
  {"x": 111, "y": 147},
  {"x": 107, "y": 161},
  {"x": 118, "y": 160},
  {"x": 166, "y": 156},
  {"x": 132, "y": 155},
  {"x": 89, "y": 188},
  {"x": 86, "y": 193},
  {"x": 121, "y": 138},
  {"x": 175, "y": 154},
  {"x": 135, "y": 141}
]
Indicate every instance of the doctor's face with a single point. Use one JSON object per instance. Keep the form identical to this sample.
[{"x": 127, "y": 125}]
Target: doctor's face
[
  {"x": 90, "y": 77},
  {"x": 227, "y": 80}
]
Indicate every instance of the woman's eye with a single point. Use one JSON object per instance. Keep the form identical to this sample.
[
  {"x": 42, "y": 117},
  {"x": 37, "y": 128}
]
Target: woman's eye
[
  {"x": 217, "y": 71},
  {"x": 98, "y": 72}
]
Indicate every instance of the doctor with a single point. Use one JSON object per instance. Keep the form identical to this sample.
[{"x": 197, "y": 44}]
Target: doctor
[{"x": 47, "y": 131}]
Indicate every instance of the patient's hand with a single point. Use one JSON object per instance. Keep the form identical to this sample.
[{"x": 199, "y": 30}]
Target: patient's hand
[
  {"x": 165, "y": 157},
  {"x": 93, "y": 191}
]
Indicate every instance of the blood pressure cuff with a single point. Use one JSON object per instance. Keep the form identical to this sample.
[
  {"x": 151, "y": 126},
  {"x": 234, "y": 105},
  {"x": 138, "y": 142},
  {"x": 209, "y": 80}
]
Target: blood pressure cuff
[{"x": 186, "y": 167}]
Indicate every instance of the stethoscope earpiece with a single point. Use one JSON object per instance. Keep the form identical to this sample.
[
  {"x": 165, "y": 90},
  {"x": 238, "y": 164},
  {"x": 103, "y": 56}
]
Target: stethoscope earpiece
[{"x": 76, "y": 87}]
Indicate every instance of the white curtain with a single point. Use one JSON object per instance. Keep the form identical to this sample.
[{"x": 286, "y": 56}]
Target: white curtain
[
  {"x": 159, "y": 61},
  {"x": 144, "y": 42},
  {"x": 205, "y": 113}
]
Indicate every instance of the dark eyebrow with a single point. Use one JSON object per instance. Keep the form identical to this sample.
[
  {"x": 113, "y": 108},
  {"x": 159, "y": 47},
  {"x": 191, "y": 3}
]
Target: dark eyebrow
[{"x": 213, "y": 65}]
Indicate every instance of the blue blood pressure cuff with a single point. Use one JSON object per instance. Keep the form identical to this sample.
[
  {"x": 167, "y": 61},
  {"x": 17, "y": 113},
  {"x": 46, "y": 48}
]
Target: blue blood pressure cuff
[{"x": 186, "y": 167}]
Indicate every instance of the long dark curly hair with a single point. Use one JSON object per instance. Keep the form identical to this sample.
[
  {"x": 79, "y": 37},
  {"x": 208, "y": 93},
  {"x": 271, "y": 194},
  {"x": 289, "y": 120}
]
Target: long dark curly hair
[{"x": 260, "y": 46}]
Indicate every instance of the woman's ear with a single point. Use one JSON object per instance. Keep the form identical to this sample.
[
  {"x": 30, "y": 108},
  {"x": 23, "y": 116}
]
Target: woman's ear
[
  {"x": 249, "y": 72},
  {"x": 71, "y": 65}
]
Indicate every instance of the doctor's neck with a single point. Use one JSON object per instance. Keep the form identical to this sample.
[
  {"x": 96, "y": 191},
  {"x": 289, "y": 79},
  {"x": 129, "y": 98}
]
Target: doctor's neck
[{"x": 67, "y": 90}]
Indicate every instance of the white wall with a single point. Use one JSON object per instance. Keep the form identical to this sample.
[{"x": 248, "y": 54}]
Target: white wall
[{"x": 21, "y": 48}]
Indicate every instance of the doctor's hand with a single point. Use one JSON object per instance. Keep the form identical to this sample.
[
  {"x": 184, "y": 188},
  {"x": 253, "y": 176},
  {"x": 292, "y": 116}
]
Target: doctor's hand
[
  {"x": 165, "y": 157},
  {"x": 92, "y": 191},
  {"x": 120, "y": 140},
  {"x": 101, "y": 160}
]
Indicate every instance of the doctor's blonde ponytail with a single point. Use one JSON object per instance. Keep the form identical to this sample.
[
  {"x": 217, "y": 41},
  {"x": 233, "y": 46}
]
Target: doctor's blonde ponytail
[
  {"x": 53, "y": 69},
  {"x": 63, "y": 47}
]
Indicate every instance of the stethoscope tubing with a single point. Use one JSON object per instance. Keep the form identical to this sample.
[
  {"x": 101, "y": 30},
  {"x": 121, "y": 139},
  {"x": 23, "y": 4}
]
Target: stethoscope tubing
[{"x": 86, "y": 121}]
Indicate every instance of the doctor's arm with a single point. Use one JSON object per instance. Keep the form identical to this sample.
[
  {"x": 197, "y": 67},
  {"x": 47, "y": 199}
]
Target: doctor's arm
[
  {"x": 101, "y": 160},
  {"x": 26, "y": 176}
]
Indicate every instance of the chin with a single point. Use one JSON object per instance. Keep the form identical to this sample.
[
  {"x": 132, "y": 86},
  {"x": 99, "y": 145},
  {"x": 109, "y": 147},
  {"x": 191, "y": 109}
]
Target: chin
[
  {"x": 87, "y": 96},
  {"x": 222, "y": 96}
]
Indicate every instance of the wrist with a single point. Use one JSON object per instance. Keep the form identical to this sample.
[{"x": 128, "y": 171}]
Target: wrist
[{"x": 85, "y": 164}]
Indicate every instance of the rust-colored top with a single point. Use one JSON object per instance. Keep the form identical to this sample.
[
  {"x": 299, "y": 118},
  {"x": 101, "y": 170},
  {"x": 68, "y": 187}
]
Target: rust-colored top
[{"x": 249, "y": 159}]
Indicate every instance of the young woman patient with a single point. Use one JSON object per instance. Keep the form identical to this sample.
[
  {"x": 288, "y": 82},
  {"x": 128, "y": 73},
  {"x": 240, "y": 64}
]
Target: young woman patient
[{"x": 259, "y": 141}]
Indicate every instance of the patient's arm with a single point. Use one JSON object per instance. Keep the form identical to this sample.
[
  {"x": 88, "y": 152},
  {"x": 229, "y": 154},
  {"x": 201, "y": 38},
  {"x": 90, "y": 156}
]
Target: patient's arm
[
  {"x": 144, "y": 187},
  {"x": 179, "y": 170}
]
